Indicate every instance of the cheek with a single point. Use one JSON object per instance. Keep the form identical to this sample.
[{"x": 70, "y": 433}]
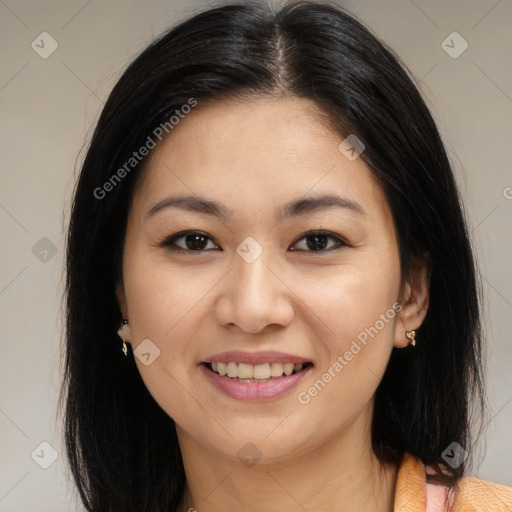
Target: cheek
[
  {"x": 358, "y": 345},
  {"x": 348, "y": 301},
  {"x": 163, "y": 299},
  {"x": 354, "y": 313},
  {"x": 173, "y": 308}
]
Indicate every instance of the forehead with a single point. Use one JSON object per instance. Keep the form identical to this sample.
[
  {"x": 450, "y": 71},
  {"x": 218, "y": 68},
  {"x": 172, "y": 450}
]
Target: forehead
[{"x": 254, "y": 153}]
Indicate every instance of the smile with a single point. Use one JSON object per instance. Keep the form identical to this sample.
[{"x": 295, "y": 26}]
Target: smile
[
  {"x": 264, "y": 381},
  {"x": 264, "y": 372}
]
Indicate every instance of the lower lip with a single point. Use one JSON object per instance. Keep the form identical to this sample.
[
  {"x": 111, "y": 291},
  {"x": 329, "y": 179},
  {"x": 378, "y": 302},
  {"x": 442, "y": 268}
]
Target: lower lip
[{"x": 254, "y": 391}]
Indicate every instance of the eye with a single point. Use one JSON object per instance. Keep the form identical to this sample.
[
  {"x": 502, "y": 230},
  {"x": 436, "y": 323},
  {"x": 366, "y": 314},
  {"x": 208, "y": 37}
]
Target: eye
[
  {"x": 318, "y": 241},
  {"x": 193, "y": 241},
  {"x": 197, "y": 241}
]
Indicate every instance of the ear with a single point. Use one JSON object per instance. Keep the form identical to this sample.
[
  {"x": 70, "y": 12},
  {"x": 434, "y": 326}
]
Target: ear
[
  {"x": 414, "y": 298},
  {"x": 124, "y": 331}
]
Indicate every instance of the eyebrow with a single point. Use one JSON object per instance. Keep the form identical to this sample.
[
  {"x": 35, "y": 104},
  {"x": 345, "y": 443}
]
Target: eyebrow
[{"x": 293, "y": 208}]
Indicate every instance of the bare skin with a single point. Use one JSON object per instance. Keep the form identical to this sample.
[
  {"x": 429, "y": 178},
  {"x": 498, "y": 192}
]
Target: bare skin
[{"x": 253, "y": 157}]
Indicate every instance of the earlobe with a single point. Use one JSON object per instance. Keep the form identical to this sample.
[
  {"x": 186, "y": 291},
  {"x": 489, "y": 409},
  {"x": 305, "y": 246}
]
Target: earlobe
[{"x": 124, "y": 331}]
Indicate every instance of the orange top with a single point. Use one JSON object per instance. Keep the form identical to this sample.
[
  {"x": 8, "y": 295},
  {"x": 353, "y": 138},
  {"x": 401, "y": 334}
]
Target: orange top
[{"x": 413, "y": 494}]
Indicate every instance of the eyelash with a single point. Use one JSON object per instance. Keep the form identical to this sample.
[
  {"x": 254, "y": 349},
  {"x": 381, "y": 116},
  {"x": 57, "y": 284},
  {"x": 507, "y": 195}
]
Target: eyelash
[{"x": 169, "y": 242}]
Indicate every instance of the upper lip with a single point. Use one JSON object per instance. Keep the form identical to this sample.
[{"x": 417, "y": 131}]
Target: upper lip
[{"x": 240, "y": 356}]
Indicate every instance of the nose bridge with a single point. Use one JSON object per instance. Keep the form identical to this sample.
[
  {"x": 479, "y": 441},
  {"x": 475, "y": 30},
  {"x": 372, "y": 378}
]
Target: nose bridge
[
  {"x": 254, "y": 280},
  {"x": 256, "y": 296}
]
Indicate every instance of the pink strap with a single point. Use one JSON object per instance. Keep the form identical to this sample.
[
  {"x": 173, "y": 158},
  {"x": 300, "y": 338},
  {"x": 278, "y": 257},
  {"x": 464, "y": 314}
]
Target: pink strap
[{"x": 436, "y": 494}]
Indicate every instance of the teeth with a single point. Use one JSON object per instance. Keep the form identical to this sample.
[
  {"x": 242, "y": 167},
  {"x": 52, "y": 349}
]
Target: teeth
[
  {"x": 288, "y": 368},
  {"x": 232, "y": 369},
  {"x": 245, "y": 371},
  {"x": 276, "y": 369},
  {"x": 262, "y": 372}
]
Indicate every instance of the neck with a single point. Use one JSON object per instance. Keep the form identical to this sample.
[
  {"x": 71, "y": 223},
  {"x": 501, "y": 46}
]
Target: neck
[{"x": 341, "y": 474}]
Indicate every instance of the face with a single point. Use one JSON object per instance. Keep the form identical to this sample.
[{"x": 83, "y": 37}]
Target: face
[{"x": 297, "y": 262}]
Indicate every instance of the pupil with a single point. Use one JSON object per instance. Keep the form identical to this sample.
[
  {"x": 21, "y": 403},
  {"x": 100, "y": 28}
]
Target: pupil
[
  {"x": 196, "y": 241},
  {"x": 316, "y": 238}
]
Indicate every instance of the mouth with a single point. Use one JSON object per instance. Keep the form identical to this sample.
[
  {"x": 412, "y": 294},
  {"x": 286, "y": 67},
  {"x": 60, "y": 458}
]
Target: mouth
[
  {"x": 258, "y": 373},
  {"x": 254, "y": 383}
]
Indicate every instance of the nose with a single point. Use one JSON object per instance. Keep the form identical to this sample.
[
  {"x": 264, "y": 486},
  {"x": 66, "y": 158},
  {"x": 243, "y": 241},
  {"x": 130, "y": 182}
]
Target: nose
[{"x": 254, "y": 297}]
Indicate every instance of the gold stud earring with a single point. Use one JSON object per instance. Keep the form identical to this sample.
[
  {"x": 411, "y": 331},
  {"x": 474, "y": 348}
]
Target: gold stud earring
[{"x": 412, "y": 336}]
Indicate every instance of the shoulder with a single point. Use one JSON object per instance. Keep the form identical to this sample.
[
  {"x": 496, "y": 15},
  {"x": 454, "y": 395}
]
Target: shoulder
[
  {"x": 471, "y": 494},
  {"x": 475, "y": 495}
]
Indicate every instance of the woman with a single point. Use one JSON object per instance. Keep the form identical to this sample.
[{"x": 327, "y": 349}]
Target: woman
[{"x": 267, "y": 217}]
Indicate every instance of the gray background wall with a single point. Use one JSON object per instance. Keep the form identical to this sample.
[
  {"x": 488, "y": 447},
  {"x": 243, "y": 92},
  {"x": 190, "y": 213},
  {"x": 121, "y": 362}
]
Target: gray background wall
[{"x": 48, "y": 107}]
